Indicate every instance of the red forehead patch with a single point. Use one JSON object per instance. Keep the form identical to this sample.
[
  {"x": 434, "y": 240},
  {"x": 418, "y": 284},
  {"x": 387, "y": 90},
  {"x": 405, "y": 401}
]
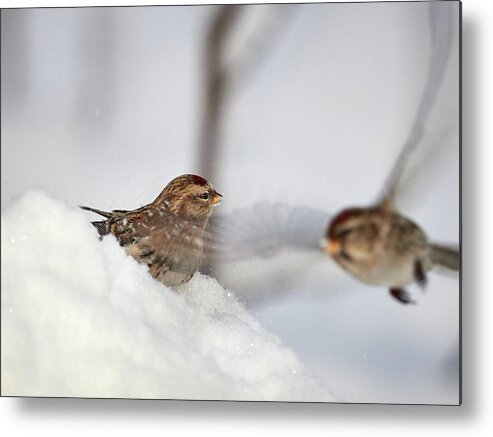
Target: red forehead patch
[
  {"x": 198, "y": 180},
  {"x": 342, "y": 217}
]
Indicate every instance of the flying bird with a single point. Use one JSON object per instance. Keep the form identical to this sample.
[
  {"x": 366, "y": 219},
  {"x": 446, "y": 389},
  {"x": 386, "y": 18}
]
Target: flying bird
[{"x": 379, "y": 246}]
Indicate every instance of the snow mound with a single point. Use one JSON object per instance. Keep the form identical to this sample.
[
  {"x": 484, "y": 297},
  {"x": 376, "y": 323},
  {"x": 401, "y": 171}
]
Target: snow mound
[{"x": 81, "y": 318}]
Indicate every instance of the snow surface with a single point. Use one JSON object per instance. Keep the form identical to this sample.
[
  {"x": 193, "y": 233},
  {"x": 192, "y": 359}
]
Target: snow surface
[{"x": 81, "y": 318}]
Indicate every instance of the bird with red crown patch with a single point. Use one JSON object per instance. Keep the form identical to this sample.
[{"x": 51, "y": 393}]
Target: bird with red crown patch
[{"x": 167, "y": 234}]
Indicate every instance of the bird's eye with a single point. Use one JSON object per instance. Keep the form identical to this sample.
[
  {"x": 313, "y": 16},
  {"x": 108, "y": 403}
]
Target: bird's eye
[
  {"x": 346, "y": 232},
  {"x": 205, "y": 196}
]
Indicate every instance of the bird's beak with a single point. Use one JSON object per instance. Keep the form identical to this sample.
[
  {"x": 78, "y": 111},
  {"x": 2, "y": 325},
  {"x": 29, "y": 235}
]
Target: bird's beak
[
  {"x": 216, "y": 199},
  {"x": 333, "y": 247}
]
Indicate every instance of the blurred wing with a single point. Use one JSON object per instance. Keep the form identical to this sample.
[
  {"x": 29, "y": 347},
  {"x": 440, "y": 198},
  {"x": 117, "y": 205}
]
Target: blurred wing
[
  {"x": 440, "y": 20},
  {"x": 264, "y": 230},
  {"x": 268, "y": 251}
]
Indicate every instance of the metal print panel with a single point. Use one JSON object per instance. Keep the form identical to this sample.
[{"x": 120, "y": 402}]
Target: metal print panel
[{"x": 271, "y": 202}]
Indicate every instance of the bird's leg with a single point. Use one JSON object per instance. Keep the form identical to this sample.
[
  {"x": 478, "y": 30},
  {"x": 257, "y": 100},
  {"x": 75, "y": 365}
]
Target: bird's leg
[
  {"x": 401, "y": 295},
  {"x": 419, "y": 274}
]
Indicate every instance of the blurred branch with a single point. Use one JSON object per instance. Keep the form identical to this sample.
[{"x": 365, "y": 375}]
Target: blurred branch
[
  {"x": 215, "y": 85},
  {"x": 221, "y": 78},
  {"x": 259, "y": 44}
]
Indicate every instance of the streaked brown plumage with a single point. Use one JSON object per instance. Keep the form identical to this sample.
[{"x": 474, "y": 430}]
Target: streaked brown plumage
[
  {"x": 379, "y": 246},
  {"x": 167, "y": 234}
]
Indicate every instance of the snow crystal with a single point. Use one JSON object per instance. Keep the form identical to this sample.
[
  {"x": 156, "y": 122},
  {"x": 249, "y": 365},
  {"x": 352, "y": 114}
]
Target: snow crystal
[{"x": 81, "y": 318}]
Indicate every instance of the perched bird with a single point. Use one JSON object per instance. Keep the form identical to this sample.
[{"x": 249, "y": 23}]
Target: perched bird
[
  {"x": 379, "y": 246},
  {"x": 167, "y": 234}
]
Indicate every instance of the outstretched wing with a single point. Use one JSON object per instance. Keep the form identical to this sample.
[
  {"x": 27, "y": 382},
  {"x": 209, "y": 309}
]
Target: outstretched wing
[
  {"x": 264, "y": 230},
  {"x": 441, "y": 31},
  {"x": 267, "y": 250}
]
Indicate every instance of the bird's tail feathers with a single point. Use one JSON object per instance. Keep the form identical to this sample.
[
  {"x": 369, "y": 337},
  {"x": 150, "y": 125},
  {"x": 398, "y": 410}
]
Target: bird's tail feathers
[
  {"x": 102, "y": 226},
  {"x": 445, "y": 256},
  {"x": 98, "y": 211}
]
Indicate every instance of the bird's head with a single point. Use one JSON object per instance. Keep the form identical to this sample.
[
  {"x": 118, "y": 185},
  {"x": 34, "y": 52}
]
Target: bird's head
[
  {"x": 190, "y": 197},
  {"x": 353, "y": 234}
]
